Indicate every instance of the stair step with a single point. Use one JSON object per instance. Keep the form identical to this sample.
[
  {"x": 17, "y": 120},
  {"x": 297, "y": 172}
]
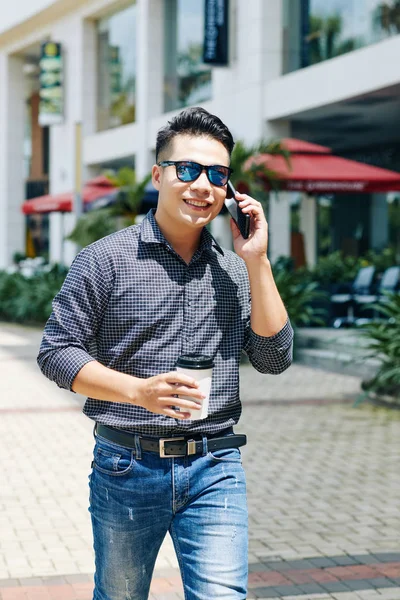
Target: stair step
[
  {"x": 337, "y": 361},
  {"x": 351, "y": 342}
]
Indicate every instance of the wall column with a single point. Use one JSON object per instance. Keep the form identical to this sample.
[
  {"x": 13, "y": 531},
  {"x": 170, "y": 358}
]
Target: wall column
[
  {"x": 379, "y": 228},
  {"x": 12, "y": 176},
  {"x": 308, "y": 227},
  {"x": 70, "y": 32},
  {"x": 149, "y": 30},
  {"x": 279, "y": 225}
]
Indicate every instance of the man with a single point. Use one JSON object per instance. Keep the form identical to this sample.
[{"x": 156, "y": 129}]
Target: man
[{"x": 133, "y": 303}]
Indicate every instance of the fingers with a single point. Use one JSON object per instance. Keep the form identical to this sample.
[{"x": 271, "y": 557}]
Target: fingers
[
  {"x": 175, "y": 377},
  {"x": 180, "y": 390},
  {"x": 176, "y": 414},
  {"x": 179, "y": 384},
  {"x": 163, "y": 395},
  {"x": 249, "y": 205},
  {"x": 183, "y": 403}
]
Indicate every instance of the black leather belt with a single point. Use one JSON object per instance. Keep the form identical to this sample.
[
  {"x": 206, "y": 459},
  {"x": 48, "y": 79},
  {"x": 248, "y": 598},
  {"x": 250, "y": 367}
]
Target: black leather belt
[{"x": 172, "y": 447}]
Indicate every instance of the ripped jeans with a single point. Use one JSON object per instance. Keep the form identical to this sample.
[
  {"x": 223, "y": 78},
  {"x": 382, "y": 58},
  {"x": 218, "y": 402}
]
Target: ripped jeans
[{"x": 136, "y": 497}]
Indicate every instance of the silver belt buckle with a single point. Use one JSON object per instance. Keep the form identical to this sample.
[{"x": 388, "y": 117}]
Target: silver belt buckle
[{"x": 162, "y": 447}]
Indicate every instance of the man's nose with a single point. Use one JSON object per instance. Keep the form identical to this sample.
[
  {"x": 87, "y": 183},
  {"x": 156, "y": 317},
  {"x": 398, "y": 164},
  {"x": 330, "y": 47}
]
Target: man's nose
[{"x": 202, "y": 182}]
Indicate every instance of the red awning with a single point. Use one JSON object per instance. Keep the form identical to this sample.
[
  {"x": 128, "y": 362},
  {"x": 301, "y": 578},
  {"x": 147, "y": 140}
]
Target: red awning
[
  {"x": 313, "y": 169},
  {"x": 99, "y": 187}
]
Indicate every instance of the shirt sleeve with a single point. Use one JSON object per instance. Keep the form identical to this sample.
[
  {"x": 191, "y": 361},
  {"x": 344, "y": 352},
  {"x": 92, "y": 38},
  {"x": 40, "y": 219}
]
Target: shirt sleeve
[
  {"x": 68, "y": 341},
  {"x": 273, "y": 354}
]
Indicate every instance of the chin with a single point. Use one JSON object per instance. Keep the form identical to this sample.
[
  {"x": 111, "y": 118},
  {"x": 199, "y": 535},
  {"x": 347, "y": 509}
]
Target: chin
[{"x": 197, "y": 220}]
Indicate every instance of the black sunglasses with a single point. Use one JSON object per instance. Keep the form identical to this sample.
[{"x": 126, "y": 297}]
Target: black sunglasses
[{"x": 186, "y": 170}]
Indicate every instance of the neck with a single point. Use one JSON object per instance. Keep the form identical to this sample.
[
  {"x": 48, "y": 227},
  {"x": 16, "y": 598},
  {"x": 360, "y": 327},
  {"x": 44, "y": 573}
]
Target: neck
[{"x": 185, "y": 241}]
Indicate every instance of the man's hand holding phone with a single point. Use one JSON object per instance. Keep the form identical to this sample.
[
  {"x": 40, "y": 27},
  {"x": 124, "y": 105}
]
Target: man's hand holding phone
[
  {"x": 241, "y": 219},
  {"x": 249, "y": 226}
]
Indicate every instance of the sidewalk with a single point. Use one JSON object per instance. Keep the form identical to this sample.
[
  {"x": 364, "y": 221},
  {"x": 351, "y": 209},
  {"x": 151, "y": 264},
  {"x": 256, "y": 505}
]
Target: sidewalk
[{"x": 323, "y": 486}]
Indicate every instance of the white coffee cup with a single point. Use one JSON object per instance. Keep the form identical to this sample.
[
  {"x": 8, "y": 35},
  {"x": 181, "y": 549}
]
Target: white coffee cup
[{"x": 200, "y": 368}]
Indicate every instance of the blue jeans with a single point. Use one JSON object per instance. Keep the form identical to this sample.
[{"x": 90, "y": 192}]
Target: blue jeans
[{"x": 136, "y": 497}]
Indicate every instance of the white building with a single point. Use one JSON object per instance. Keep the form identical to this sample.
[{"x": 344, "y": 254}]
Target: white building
[{"x": 325, "y": 71}]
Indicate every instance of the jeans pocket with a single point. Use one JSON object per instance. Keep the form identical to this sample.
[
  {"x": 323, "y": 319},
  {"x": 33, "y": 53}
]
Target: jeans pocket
[
  {"x": 226, "y": 455},
  {"x": 112, "y": 462}
]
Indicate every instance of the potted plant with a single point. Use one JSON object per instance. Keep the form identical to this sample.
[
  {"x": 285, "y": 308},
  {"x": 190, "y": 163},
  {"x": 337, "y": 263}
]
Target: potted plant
[{"x": 383, "y": 343}]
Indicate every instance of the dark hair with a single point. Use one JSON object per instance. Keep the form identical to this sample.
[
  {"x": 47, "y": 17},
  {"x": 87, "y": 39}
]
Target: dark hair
[{"x": 194, "y": 121}]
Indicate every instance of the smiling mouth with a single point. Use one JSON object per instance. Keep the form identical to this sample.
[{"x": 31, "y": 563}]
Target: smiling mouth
[{"x": 197, "y": 203}]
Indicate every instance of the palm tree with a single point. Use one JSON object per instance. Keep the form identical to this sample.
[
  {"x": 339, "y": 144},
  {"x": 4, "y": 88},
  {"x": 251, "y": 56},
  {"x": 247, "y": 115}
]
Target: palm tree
[
  {"x": 252, "y": 180},
  {"x": 130, "y": 194},
  {"x": 387, "y": 17},
  {"x": 101, "y": 222},
  {"x": 324, "y": 38}
]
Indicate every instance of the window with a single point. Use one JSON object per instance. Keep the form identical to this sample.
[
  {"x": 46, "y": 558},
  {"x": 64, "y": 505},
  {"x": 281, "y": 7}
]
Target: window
[
  {"x": 187, "y": 80},
  {"x": 317, "y": 30},
  {"x": 116, "y": 38}
]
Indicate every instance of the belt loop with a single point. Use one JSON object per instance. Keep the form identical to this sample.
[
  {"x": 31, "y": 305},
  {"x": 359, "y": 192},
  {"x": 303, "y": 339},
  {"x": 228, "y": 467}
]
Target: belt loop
[
  {"x": 94, "y": 431},
  {"x": 205, "y": 446},
  {"x": 138, "y": 447}
]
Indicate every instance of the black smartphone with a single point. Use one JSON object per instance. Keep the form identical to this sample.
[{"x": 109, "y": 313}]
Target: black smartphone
[{"x": 241, "y": 219}]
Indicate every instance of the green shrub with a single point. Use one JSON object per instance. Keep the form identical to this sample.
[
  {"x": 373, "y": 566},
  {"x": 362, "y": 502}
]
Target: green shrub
[
  {"x": 383, "y": 344},
  {"x": 299, "y": 295},
  {"x": 335, "y": 268},
  {"x": 381, "y": 260},
  {"x": 28, "y": 299}
]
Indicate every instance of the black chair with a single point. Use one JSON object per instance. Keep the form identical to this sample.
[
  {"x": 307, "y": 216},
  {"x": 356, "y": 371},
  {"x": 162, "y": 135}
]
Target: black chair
[
  {"x": 344, "y": 298},
  {"x": 389, "y": 282}
]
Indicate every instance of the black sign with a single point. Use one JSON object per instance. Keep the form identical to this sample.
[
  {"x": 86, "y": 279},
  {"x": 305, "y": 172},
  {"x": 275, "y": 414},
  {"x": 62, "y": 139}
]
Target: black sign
[
  {"x": 216, "y": 46},
  {"x": 51, "y": 107}
]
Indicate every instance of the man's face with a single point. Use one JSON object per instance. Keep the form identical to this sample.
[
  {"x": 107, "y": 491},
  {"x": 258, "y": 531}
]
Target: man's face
[{"x": 193, "y": 203}]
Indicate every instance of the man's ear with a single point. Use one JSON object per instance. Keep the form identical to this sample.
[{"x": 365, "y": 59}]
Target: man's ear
[{"x": 156, "y": 176}]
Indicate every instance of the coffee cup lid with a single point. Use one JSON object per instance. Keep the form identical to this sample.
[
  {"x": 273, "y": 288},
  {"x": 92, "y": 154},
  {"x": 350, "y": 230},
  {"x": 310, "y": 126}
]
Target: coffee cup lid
[{"x": 195, "y": 361}]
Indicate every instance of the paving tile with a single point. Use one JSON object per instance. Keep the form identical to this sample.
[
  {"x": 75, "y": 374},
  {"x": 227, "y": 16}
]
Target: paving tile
[
  {"x": 264, "y": 593},
  {"x": 343, "y": 560},
  {"x": 359, "y": 584},
  {"x": 365, "y": 559},
  {"x": 322, "y": 562},
  {"x": 311, "y": 588},
  {"x": 288, "y": 590},
  {"x": 301, "y": 564},
  {"x": 387, "y": 556},
  {"x": 9, "y": 583},
  {"x": 380, "y": 582},
  {"x": 257, "y": 567},
  {"x": 335, "y": 586}
]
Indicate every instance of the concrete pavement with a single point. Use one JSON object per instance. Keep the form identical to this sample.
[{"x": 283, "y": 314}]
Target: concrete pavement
[{"x": 323, "y": 486}]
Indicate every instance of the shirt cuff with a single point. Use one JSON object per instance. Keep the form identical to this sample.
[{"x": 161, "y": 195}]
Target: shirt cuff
[
  {"x": 281, "y": 341},
  {"x": 65, "y": 365}
]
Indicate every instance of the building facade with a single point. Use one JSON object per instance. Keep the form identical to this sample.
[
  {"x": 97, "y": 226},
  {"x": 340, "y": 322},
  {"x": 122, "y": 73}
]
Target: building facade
[{"x": 324, "y": 71}]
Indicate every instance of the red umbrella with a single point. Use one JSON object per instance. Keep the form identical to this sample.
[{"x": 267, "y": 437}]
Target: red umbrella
[
  {"x": 95, "y": 189},
  {"x": 315, "y": 170}
]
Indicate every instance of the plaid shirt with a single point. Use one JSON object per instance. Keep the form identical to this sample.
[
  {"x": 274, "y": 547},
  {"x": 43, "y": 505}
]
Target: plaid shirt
[{"x": 132, "y": 303}]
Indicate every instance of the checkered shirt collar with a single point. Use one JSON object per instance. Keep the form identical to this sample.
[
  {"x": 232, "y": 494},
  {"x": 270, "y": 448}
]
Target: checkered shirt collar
[{"x": 151, "y": 233}]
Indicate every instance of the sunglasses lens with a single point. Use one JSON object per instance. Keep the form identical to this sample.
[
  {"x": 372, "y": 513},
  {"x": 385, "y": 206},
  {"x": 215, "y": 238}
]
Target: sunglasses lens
[
  {"x": 187, "y": 171},
  {"x": 218, "y": 175}
]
